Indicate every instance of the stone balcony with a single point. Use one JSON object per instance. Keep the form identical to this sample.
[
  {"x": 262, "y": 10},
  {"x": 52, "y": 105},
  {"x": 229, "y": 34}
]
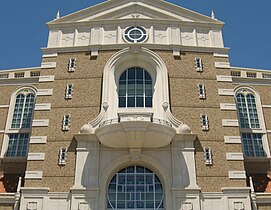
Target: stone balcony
[{"x": 135, "y": 130}]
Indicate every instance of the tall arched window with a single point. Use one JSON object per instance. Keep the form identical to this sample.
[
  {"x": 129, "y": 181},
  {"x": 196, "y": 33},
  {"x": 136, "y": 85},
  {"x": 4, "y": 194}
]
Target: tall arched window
[
  {"x": 19, "y": 126},
  {"x": 135, "y": 187},
  {"x": 247, "y": 110},
  {"x": 23, "y": 110},
  {"x": 251, "y": 129},
  {"x": 135, "y": 88}
]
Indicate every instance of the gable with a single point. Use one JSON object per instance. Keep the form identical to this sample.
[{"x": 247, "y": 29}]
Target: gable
[{"x": 128, "y": 9}]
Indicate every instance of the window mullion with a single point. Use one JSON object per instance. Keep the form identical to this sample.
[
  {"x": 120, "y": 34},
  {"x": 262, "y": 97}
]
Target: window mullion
[
  {"x": 22, "y": 118},
  {"x": 248, "y": 114}
]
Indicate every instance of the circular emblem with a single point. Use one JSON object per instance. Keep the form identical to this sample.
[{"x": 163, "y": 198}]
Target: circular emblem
[{"x": 135, "y": 34}]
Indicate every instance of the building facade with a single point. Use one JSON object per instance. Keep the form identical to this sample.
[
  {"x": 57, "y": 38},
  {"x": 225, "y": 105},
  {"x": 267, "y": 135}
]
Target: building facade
[{"x": 135, "y": 106}]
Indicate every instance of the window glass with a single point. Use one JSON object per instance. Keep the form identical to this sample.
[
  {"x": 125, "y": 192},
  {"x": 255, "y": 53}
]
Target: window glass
[
  {"x": 18, "y": 145},
  {"x": 247, "y": 111},
  {"x": 135, "y": 187},
  {"x": 135, "y": 88},
  {"x": 23, "y": 111}
]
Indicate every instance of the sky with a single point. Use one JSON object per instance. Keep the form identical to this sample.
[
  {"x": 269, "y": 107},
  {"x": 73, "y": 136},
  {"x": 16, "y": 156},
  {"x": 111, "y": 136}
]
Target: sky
[{"x": 24, "y": 32}]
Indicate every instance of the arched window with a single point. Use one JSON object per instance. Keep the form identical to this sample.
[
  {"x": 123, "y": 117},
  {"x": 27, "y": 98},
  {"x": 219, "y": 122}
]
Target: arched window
[
  {"x": 135, "y": 88},
  {"x": 247, "y": 110},
  {"x": 135, "y": 187},
  {"x": 23, "y": 110},
  {"x": 251, "y": 129}
]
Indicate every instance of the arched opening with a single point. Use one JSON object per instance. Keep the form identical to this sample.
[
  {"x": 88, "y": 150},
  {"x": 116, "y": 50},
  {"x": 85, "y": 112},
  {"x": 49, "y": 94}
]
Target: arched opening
[
  {"x": 135, "y": 88},
  {"x": 135, "y": 187}
]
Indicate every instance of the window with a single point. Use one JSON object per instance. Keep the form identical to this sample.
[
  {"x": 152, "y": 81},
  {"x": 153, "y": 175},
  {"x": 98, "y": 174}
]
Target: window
[
  {"x": 252, "y": 144},
  {"x": 3, "y": 76},
  {"x": 251, "y": 74},
  {"x": 69, "y": 91},
  {"x": 267, "y": 76},
  {"x": 201, "y": 91},
  {"x": 236, "y": 73},
  {"x": 247, "y": 110},
  {"x": 135, "y": 187},
  {"x": 204, "y": 122},
  {"x": 208, "y": 156},
  {"x": 19, "y": 75},
  {"x": 66, "y": 122},
  {"x": 62, "y": 156},
  {"x": 17, "y": 145},
  {"x": 198, "y": 64},
  {"x": 34, "y": 74},
  {"x": 72, "y": 65},
  {"x": 135, "y": 34},
  {"x": 135, "y": 88},
  {"x": 23, "y": 110}
]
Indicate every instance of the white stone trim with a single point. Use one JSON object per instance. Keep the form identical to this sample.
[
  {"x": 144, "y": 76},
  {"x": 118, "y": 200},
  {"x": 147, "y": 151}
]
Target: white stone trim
[
  {"x": 2, "y": 131},
  {"x": 268, "y": 131},
  {"x": 45, "y": 92},
  {"x": 222, "y": 65},
  {"x": 33, "y": 174},
  {"x": 4, "y": 106},
  {"x": 232, "y": 139},
  {"x": 49, "y": 78},
  {"x": 49, "y": 55},
  {"x": 224, "y": 78},
  {"x": 36, "y": 156},
  {"x": 48, "y": 65},
  {"x": 40, "y": 123},
  {"x": 221, "y": 55},
  {"x": 263, "y": 106},
  {"x": 227, "y": 106},
  {"x": 38, "y": 139},
  {"x": 226, "y": 92},
  {"x": 43, "y": 107},
  {"x": 234, "y": 156},
  {"x": 237, "y": 174},
  {"x": 230, "y": 122}
]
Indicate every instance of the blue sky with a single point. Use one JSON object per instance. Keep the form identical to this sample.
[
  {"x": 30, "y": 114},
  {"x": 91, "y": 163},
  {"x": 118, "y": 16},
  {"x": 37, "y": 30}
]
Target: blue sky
[{"x": 24, "y": 32}]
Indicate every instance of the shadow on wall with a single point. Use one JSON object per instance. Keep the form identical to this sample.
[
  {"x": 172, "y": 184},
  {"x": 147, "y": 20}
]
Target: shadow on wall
[{"x": 261, "y": 182}]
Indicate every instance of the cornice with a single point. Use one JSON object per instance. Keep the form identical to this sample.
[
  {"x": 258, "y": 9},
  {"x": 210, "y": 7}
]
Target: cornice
[
  {"x": 107, "y": 22},
  {"x": 122, "y": 46}
]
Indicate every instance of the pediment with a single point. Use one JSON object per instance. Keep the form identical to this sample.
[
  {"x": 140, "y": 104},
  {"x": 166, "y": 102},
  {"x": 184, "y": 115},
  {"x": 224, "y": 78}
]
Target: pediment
[{"x": 129, "y": 9}]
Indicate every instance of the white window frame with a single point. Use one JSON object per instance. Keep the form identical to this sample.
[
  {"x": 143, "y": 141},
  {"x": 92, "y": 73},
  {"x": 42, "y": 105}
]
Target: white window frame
[
  {"x": 201, "y": 91},
  {"x": 236, "y": 73},
  {"x": 19, "y": 75},
  {"x": 62, "y": 156},
  {"x": 34, "y": 73},
  {"x": 69, "y": 91},
  {"x": 204, "y": 122},
  {"x": 198, "y": 65},
  {"x": 66, "y": 122},
  {"x": 251, "y": 74},
  {"x": 72, "y": 65},
  {"x": 208, "y": 158}
]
